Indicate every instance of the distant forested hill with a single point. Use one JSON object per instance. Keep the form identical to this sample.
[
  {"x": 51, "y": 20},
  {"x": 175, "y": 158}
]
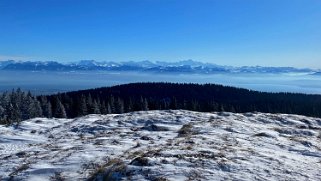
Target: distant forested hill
[
  {"x": 158, "y": 96},
  {"x": 18, "y": 105}
]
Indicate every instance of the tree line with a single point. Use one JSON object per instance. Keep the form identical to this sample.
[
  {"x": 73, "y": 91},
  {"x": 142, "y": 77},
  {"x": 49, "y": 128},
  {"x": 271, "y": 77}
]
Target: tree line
[
  {"x": 17, "y": 105},
  {"x": 196, "y": 97}
]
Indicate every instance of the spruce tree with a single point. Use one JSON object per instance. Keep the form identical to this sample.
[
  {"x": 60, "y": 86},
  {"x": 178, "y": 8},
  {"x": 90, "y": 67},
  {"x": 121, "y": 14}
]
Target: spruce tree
[
  {"x": 103, "y": 108},
  {"x": 130, "y": 106},
  {"x": 109, "y": 111},
  {"x": 82, "y": 110},
  {"x": 119, "y": 106},
  {"x": 112, "y": 104},
  {"x": 26, "y": 107},
  {"x": 145, "y": 105},
  {"x": 89, "y": 104},
  {"x": 95, "y": 108},
  {"x": 2, "y": 113},
  {"x": 48, "y": 110},
  {"x": 60, "y": 111}
]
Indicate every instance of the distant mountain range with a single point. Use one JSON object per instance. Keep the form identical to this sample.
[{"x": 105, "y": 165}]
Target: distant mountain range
[{"x": 186, "y": 66}]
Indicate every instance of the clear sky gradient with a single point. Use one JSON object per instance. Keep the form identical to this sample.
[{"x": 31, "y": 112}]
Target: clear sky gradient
[{"x": 227, "y": 32}]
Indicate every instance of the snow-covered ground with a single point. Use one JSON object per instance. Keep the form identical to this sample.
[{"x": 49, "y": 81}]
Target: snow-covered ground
[{"x": 163, "y": 145}]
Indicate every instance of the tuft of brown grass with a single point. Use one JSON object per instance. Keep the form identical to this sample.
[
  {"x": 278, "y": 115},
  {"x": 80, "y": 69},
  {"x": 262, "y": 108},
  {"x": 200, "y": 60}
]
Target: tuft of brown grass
[
  {"x": 19, "y": 169},
  {"x": 186, "y": 130},
  {"x": 114, "y": 169}
]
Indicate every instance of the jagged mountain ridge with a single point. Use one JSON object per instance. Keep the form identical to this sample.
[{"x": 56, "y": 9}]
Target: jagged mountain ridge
[{"x": 186, "y": 66}]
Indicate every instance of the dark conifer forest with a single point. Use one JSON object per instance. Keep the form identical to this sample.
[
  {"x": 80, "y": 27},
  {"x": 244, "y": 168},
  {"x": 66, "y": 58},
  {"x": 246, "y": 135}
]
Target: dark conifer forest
[{"x": 17, "y": 105}]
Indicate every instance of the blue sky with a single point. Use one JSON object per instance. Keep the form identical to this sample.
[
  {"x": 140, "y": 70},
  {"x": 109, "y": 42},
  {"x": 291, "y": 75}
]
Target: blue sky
[{"x": 227, "y": 32}]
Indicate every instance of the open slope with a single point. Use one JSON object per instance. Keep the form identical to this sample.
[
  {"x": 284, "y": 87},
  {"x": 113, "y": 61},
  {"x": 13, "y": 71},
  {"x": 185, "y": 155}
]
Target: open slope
[{"x": 163, "y": 145}]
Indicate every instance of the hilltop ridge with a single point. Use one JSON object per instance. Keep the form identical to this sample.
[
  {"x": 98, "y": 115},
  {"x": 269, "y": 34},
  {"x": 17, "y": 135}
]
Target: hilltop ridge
[{"x": 163, "y": 145}]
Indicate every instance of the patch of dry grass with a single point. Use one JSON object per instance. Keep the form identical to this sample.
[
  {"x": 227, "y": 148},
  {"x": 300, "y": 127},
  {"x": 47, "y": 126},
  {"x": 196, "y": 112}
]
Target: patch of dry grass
[
  {"x": 186, "y": 130},
  {"x": 114, "y": 169}
]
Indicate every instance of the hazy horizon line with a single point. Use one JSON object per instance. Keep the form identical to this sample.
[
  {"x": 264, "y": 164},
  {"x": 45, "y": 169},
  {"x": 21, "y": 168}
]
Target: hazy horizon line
[{"x": 155, "y": 61}]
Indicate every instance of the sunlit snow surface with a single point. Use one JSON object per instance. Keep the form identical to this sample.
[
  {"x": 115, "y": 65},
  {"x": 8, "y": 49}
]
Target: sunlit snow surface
[{"x": 156, "y": 145}]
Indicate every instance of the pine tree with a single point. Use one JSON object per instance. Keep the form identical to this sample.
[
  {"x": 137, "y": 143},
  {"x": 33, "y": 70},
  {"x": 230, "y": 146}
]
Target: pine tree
[
  {"x": 95, "y": 108},
  {"x": 144, "y": 104},
  {"x": 173, "y": 104},
  {"x": 119, "y": 106},
  {"x": 112, "y": 104},
  {"x": 103, "y": 108},
  {"x": 60, "y": 111},
  {"x": 2, "y": 113},
  {"x": 82, "y": 110},
  {"x": 26, "y": 107},
  {"x": 14, "y": 115},
  {"x": 4, "y": 101},
  {"x": 33, "y": 108},
  {"x": 109, "y": 111},
  {"x": 18, "y": 98},
  {"x": 130, "y": 106},
  {"x": 90, "y": 104},
  {"x": 46, "y": 107},
  {"x": 222, "y": 109},
  {"x": 38, "y": 110},
  {"x": 48, "y": 110}
]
